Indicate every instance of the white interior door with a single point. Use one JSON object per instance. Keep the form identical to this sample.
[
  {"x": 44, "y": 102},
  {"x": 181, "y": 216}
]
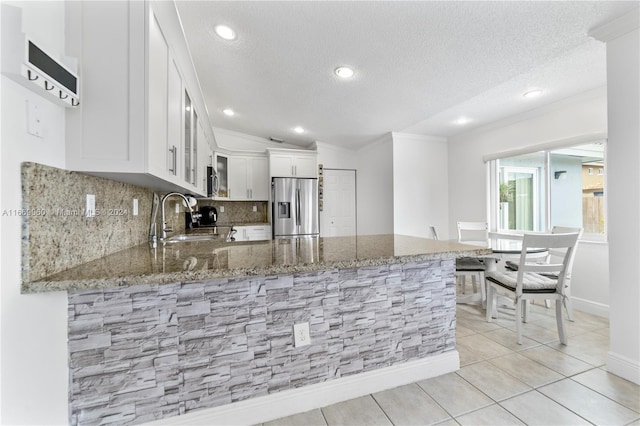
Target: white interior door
[{"x": 338, "y": 218}]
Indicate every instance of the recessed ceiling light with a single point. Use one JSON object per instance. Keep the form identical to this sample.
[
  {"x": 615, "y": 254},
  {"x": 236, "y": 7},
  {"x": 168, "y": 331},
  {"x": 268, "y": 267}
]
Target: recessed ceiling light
[
  {"x": 298, "y": 129},
  {"x": 462, "y": 121},
  {"x": 229, "y": 112},
  {"x": 534, "y": 93},
  {"x": 225, "y": 32},
  {"x": 344, "y": 72}
]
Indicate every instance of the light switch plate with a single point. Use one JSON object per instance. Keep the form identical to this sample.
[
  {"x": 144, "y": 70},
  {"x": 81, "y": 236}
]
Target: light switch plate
[
  {"x": 90, "y": 210},
  {"x": 34, "y": 120},
  {"x": 135, "y": 207}
]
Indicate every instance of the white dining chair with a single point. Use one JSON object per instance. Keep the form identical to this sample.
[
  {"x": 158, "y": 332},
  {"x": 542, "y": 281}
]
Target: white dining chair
[
  {"x": 476, "y": 233},
  {"x": 529, "y": 283},
  {"x": 568, "y": 305}
]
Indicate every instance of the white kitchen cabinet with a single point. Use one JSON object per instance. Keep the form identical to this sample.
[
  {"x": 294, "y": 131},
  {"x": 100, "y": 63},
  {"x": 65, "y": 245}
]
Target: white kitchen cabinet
[
  {"x": 205, "y": 158},
  {"x": 221, "y": 165},
  {"x": 130, "y": 124},
  {"x": 248, "y": 178},
  {"x": 174, "y": 123},
  {"x": 253, "y": 233},
  {"x": 292, "y": 163}
]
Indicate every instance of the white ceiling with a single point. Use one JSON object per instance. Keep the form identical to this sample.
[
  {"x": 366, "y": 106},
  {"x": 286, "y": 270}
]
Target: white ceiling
[{"x": 419, "y": 65}]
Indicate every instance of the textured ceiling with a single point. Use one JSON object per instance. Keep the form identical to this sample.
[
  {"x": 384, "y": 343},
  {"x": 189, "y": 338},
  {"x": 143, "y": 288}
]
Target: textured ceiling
[{"x": 419, "y": 65}]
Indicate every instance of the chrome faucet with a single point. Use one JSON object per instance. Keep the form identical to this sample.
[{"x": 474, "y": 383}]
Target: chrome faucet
[
  {"x": 165, "y": 228},
  {"x": 230, "y": 235}
]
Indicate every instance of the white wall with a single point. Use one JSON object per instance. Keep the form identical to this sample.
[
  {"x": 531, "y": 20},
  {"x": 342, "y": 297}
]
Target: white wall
[
  {"x": 375, "y": 188},
  {"x": 579, "y": 115},
  {"x": 236, "y": 141},
  {"x": 420, "y": 188},
  {"x": 333, "y": 157},
  {"x": 623, "y": 179},
  {"x": 33, "y": 331}
]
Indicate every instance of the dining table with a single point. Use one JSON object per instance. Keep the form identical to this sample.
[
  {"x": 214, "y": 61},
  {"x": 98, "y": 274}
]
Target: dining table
[{"x": 506, "y": 246}]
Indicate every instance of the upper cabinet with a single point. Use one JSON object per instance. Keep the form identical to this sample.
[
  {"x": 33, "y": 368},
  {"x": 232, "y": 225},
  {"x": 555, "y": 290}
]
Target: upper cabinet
[
  {"x": 248, "y": 178},
  {"x": 138, "y": 121},
  {"x": 292, "y": 163}
]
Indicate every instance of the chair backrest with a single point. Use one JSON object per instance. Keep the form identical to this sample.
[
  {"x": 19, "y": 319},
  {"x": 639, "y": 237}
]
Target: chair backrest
[
  {"x": 565, "y": 241},
  {"x": 476, "y": 233},
  {"x": 567, "y": 230}
]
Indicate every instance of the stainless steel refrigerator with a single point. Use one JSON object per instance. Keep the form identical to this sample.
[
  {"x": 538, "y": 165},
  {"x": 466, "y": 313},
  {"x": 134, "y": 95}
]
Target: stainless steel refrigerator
[{"x": 294, "y": 207}]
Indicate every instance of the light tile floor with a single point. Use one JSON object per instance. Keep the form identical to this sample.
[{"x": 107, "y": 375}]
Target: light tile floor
[{"x": 503, "y": 383}]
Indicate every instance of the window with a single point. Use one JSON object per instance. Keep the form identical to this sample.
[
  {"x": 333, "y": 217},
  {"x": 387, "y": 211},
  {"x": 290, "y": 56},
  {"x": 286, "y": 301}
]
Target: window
[{"x": 538, "y": 190}]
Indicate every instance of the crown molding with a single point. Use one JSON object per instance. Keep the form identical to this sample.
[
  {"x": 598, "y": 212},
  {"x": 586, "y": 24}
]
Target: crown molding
[{"x": 620, "y": 26}]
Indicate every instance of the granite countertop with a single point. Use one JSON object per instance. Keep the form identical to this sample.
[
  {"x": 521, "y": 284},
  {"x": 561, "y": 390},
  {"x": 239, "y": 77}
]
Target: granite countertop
[{"x": 205, "y": 260}]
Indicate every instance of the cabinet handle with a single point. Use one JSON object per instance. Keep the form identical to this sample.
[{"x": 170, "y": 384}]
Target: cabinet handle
[{"x": 173, "y": 161}]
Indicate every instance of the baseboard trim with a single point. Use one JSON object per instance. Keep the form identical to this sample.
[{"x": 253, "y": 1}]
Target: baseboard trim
[
  {"x": 285, "y": 403},
  {"x": 624, "y": 367},
  {"x": 590, "y": 307}
]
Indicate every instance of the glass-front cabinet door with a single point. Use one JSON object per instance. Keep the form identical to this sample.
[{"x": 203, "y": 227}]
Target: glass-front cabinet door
[
  {"x": 187, "y": 137},
  {"x": 190, "y": 141},
  {"x": 222, "y": 169}
]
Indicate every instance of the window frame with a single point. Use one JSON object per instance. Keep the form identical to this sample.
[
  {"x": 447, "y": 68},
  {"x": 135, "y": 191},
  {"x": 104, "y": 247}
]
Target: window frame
[{"x": 493, "y": 184}]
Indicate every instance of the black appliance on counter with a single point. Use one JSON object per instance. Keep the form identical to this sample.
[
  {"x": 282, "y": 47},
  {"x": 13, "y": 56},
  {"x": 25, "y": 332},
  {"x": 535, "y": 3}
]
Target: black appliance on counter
[{"x": 208, "y": 217}]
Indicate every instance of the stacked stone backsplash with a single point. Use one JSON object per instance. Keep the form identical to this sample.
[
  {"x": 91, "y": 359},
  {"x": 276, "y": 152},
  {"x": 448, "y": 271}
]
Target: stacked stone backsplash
[
  {"x": 239, "y": 212},
  {"x": 56, "y": 234}
]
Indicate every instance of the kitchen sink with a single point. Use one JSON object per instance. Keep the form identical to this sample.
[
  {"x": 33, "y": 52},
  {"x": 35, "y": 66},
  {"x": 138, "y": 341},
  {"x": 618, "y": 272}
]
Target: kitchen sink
[{"x": 191, "y": 237}]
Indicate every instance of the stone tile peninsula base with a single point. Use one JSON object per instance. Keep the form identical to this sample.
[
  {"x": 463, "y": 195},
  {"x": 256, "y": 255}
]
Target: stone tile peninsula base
[{"x": 151, "y": 352}]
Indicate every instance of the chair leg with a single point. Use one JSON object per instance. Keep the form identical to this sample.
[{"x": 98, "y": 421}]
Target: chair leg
[
  {"x": 525, "y": 315},
  {"x": 490, "y": 300},
  {"x": 519, "y": 319},
  {"x": 569, "y": 307},
  {"x": 560, "y": 321},
  {"x": 483, "y": 290}
]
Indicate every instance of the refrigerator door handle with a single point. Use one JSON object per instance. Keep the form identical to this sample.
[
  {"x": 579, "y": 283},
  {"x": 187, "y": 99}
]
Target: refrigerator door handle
[{"x": 298, "y": 206}]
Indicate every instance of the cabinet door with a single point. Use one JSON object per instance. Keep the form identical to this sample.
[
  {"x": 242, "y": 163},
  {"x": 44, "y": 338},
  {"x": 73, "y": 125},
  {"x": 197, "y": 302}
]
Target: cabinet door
[
  {"x": 305, "y": 166},
  {"x": 238, "y": 188},
  {"x": 174, "y": 121},
  {"x": 222, "y": 170},
  {"x": 281, "y": 166},
  {"x": 188, "y": 126},
  {"x": 241, "y": 233},
  {"x": 204, "y": 154},
  {"x": 258, "y": 177},
  {"x": 258, "y": 233},
  {"x": 157, "y": 99}
]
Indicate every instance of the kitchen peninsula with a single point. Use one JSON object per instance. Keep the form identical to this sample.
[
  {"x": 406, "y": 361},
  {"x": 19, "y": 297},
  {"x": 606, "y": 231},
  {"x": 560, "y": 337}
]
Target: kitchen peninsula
[{"x": 155, "y": 333}]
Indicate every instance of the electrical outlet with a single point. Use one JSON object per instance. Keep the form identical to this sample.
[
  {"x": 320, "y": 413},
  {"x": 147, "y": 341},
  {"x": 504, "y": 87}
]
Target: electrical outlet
[
  {"x": 221, "y": 209},
  {"x": 135, "y": 207},
  {"x": 255, "y": 208},
  {"x": 301, "y": 336},
  {"x": 177, "y": 207}
]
